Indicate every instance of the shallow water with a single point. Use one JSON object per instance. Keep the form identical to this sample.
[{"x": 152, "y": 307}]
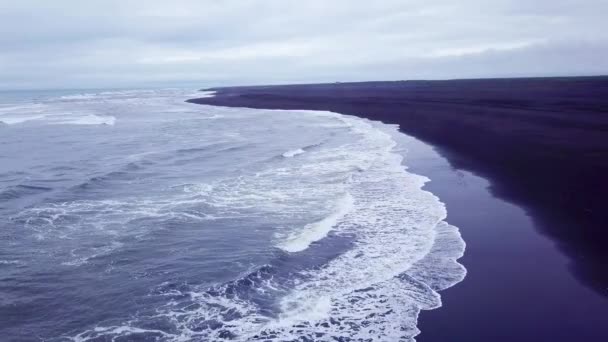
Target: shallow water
[{"x": 132, "y": 215}]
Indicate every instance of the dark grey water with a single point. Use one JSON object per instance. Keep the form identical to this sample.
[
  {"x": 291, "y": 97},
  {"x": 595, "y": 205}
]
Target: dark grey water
[{"x": 132, "y": 215}]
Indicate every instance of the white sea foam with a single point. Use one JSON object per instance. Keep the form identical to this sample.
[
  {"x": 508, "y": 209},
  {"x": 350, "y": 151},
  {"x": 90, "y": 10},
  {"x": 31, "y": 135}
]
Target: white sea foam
[
  {"x": 10, "y": 262},
  {"x": 312, "y": 232},
  {"x": 293, "y": 153},
  {"x": 89, "y": 108},
  {"x": 374, "y": 284},
  {"x": 81, "y": 256},
  {"x": 79, "y": 96},
  {"x": 16, "y": 114},
  {"x": 101, "y": 223},
  {"x": 88, "y": 119},
  {"x": 11, "y": 120},
  {"x": 403, "y": 252},
  {"x": 51, "y": 113},
  {"x": 212, "y": 117}
]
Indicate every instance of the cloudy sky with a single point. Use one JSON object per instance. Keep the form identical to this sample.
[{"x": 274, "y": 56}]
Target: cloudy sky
[{"x": 122, "y": 43}]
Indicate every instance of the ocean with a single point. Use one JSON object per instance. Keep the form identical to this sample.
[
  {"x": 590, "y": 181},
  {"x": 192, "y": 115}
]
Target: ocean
[{"x": 131, "y": 215}]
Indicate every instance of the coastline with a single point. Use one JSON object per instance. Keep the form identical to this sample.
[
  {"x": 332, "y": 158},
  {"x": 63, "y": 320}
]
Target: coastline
[
  {"x": 542, "y": 143},
  {"x": 518, "y": 286},
  {"x": 524, "y": 278}
]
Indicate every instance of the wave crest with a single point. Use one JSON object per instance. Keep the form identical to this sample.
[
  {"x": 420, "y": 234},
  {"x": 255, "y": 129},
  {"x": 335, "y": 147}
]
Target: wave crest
[{"x": 402, "y": 254}]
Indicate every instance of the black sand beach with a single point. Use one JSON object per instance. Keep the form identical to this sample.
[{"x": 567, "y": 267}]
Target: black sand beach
[{"x": 543, "y": 145}]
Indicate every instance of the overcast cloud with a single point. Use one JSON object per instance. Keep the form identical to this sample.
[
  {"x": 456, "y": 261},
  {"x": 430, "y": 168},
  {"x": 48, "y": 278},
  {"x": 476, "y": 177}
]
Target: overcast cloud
[{"x": 111, "y": 43}]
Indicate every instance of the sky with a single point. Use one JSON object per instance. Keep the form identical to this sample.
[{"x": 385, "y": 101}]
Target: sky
[{"x": 128, "y": 43}]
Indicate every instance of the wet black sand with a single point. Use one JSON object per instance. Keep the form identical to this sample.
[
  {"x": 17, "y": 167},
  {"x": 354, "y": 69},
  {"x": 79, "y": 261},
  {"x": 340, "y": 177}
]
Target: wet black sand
[
  {"x": 518, "y": 287},
  {"x": 541, "y": 142}
]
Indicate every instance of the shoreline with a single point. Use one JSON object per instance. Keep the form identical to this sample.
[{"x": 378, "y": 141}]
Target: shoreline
[
  {"x": 523, "y": 280},
  {"x": 517, "y": 287},
  {"x": 542, "y": 143}
]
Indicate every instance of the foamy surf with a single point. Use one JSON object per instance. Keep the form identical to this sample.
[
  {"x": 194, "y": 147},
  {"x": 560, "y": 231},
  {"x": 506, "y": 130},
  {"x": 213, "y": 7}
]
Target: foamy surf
[
  {"x": 316, "y": 231},
  {"x": 16, "y": 114},
  {"x": 293, "y": 153},
  {"x": 206, "y": 230},
  {"x": 51, "y": 112},
  {"x": 403, "y": 253},
  {"x": 88, "y": 119}
]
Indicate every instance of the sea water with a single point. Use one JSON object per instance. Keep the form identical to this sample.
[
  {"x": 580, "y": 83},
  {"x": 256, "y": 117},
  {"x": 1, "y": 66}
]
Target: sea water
[{"x": 133, "y": 215}]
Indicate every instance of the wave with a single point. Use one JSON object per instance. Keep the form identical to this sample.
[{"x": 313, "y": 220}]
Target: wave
[
  {"x": 122, "y": 94},
  {"x": 87, "y": 96},
  {"x": 16, "y": 114},
  {"x": 105, "y": 180},
  {"x": 318, "y": 230},
  {"x": 22, "y": 190},
  {"x": 293, "y": 153},
  {"x": 10, "y": 262},
  {"x": 61, "y": 120},
  {"x": 21, "y": 119},
  {"x": 402, "y": 254},
  {"x": 81, "y": 256},
  {"x": 49, "y": 114},
  {"x": 68, "y": 110},
  {"x": 89, "y": 119},
  {"x": 302, "y": 150},
  {"x": 212, "y": 117},
  {"x": 101, "y": 225}
]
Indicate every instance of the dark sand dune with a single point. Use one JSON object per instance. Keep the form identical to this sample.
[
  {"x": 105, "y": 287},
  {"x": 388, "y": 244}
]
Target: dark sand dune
[{"x": 543, "y": 143}]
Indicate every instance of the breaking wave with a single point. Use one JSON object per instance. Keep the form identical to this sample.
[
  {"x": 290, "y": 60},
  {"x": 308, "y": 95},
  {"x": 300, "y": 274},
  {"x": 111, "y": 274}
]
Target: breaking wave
[
  {"x": 399, "y": 253},
  {"x": 293, "y": 153},
  {"x": 51, "y": 113}
]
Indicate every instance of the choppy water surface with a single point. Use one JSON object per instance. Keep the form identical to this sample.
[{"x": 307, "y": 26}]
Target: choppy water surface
[{"x": 132, "y": 215}]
